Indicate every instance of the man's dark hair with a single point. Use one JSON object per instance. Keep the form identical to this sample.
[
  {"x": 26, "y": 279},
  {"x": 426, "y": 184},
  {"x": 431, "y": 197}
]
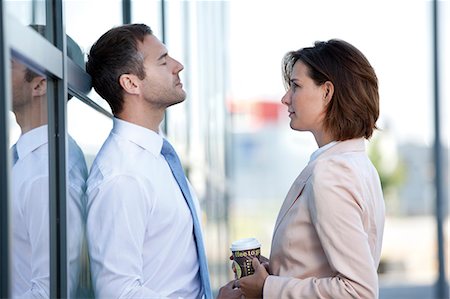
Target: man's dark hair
[{"x": 116, "y": 53}]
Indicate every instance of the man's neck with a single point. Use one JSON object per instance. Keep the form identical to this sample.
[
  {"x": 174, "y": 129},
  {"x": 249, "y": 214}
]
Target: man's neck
[
  {"x": 147, "y": 118},
  {"x": 29, "y": 118}
]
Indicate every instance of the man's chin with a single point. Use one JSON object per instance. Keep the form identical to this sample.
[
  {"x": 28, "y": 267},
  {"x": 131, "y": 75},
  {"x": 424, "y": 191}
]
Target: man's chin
[{"x": 177, "y": 101}]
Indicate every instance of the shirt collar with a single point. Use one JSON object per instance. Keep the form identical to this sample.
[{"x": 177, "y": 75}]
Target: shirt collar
[
  {"x": 32, "y": 140},
  {"x": 143, "y": 137},
  {"x": 320, "y": 150}
]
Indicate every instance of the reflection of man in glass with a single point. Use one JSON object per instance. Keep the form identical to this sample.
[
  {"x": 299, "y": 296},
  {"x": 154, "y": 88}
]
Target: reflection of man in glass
[{"x": 30, "y": 191}]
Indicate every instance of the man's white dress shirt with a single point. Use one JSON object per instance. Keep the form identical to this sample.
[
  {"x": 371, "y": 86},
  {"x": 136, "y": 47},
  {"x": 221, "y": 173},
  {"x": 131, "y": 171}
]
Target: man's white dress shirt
[
  {"x": 139, "y": 226},
  {"x": 30, "y": 214}
]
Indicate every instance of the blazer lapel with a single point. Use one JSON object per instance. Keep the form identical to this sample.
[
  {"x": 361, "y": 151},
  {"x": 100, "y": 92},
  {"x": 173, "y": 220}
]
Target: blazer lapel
[
  {"x": 293, "y": 194},
  {"x": 299, "y": 183}
]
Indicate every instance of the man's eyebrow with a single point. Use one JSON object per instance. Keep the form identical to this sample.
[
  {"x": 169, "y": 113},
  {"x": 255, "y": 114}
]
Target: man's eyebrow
[{"x": 162, "y": 56}]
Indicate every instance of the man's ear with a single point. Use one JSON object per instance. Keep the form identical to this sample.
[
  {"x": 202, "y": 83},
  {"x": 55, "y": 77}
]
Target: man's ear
[
  {"x": 130, "y": 83},
  {"x": 39, "y": 84},
  {"x": 328, "y": 91}
]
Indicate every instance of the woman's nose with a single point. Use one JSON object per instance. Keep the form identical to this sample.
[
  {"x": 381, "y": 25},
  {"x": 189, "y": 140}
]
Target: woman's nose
[{"x": 285, "y": 99}]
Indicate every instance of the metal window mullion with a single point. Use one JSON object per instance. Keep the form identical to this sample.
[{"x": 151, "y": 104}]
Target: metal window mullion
[
  {"x": 57, "y": 137},
  {"x": 5, "y": 163},
  {"x": 163, "y": 40},
  {"x": 126, "y": 11},
  {"x": 31, "y": 48},
  {"x": 441, "y": 285}
]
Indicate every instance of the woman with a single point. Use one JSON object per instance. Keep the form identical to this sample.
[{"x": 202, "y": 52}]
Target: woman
[{"x": 327, "y": 238}]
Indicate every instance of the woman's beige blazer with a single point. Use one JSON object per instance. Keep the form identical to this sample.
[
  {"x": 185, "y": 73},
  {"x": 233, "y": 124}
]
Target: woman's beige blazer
[{"x": 328, "y": 234}]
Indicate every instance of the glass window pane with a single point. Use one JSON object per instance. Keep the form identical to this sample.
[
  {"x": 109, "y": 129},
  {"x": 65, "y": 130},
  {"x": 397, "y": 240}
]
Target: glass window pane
[
  {"x": 27, "y": 11},
  {"x": 147, "y": 12},
  {"x": 85, "y": 24},
  {"x": 30, "y": 184},
  {"x": 77, "y": 172},
  {"x": 85, "y": 32},
  {"x": 81, "y": 120},
  {"x": 84, "y": 144}
]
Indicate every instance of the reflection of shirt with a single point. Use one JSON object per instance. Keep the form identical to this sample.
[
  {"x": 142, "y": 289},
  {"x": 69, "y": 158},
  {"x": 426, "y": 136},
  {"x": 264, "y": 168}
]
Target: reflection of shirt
[
  {"x": 30, "y": 218},
  {"x": 139, "y": 227}
]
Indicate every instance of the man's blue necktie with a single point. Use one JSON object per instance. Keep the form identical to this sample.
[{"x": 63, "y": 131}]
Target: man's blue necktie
[
  {"x": 177, "y": 170},
  {"x": 15, "y": 154}
]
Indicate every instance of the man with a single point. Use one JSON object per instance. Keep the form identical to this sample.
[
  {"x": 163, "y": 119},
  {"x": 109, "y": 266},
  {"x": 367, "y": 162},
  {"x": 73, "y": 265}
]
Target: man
[
  {"x": 30, "y": 187},
  {"x": 143, "y": 232}
]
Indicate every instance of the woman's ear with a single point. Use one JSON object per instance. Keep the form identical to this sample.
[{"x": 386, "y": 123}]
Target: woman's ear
[
  {"x": 39, "y": 85},
  {"x": 328, "y": 91},
  {"x": 130, "y": 83}
]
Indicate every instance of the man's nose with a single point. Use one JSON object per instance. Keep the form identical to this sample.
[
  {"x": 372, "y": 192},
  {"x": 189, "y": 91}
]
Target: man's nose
[{"x": 178, "y": 67}]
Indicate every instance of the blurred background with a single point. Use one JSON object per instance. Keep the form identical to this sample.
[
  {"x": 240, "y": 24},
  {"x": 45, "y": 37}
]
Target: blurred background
[{"x": 233, "y": 134}]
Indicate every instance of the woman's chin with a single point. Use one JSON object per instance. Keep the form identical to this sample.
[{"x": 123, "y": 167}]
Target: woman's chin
[{"x": 296, "y": 127}]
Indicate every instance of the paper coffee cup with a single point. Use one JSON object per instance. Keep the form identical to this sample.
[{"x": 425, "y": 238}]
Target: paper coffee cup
[{"x": 244, "y": 250}]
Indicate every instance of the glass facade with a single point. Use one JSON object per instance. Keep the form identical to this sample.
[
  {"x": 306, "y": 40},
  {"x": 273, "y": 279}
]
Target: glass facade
[
  {"x": 231, "y": 133},
  {"x": 27, "y": 11},
  {"x": 30, "y": 180}
]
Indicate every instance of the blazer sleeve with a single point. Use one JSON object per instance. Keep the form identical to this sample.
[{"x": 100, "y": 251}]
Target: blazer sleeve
[{"x": 336, "y": 200}]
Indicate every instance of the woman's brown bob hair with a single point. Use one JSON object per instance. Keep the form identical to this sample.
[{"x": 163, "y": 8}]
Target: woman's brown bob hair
[{"x": 354, "y": 108}]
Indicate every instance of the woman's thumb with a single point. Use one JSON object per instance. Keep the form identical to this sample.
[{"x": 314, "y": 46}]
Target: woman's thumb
[{"x": 255, "y": 263}]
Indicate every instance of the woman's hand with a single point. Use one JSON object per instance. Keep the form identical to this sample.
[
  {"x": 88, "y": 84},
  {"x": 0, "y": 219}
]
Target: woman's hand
[
  {"x": 263, "y": 260},
  {"x": 229, "y": 291},
  {"x": 252, "y": 286}
]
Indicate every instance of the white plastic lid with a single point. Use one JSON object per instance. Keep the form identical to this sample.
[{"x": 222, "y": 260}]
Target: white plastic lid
[{"x": 245, "y": 244}]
